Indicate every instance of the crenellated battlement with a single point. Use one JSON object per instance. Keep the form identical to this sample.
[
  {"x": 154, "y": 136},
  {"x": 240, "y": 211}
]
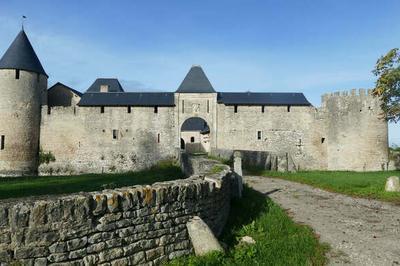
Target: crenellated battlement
[{"x": 349, "y": 93}]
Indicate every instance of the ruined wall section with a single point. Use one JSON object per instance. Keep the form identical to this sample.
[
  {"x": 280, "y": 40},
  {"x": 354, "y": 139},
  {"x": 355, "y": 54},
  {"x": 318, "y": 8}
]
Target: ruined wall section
[
  {"x": 84, "y": 140},
  {"x": 297, "y": 133},
  {"x": 126, "y": 226},
  {"x": 356, "y": 134},
  {"x": 20, "y": 103}
]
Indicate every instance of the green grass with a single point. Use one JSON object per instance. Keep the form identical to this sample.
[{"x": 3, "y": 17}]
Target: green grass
[
  {"x": 369, "y": 185},
  {"x": 279, "y": 241},
  {"x": 216, "y": 169},
  {"x": 35, "y": 186}
]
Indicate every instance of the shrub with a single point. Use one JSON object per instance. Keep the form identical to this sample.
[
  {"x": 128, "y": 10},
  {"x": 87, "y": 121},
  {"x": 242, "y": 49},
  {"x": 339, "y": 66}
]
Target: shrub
[{"x": 46, "y": 157}]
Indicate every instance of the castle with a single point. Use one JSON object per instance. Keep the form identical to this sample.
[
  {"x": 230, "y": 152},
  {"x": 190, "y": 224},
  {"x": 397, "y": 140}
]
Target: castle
[{"x": 106, "y": 129}]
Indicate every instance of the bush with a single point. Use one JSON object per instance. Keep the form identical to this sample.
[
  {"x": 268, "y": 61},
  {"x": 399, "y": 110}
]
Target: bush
[{"x": 46, "y": 157}]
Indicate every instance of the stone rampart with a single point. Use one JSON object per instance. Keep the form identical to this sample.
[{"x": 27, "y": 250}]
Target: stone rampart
[{"x": 125, "y": 226}]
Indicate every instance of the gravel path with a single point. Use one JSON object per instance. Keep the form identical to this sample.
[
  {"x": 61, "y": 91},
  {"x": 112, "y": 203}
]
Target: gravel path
[{"x": 360, "y": 231}]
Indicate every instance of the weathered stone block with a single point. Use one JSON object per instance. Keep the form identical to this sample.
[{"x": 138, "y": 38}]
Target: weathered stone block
[
  {"x": 393, "y": 184},
  {"x": 38, "y": 214},
  {"x": 57, "y": 257},
  {"x": 19, "y": 216},
  {"x": 96, "y": 248},
  {"x": 138, "y": 257},
  {"x": 111, "y": 254},
  {"x": 3, "y": 216},
  {"x": 154, "y": 253},
  {"x": 76, "y": 243},
  {"x": 40, "y": 262},
  {"x": 58, "y": 247},
  {"x": 30, "y": 252},
  {"x": 77, "y": 254}
]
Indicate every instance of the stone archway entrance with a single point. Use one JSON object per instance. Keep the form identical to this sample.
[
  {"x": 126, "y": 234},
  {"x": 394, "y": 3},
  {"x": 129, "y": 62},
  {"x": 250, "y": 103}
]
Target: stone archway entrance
[{"x": 195, "y": 135}]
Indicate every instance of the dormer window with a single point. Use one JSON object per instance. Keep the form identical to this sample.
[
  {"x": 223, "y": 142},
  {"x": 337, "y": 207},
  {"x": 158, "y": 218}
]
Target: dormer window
[{"x": 104, "y": 88}]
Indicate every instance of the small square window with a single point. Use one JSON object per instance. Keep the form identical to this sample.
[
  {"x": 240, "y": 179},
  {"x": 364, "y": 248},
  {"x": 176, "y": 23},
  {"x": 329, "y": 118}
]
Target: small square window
[
  {"x": 115, "y": 133},
  {"x": 129, "y": 109},
  {"x": 17, "y": 74},
  {"x": 191, "y": 139},
  {"x": 322, "y": 140},
  {"x": 235, "y": 108},
  {"x": 262, "y": 109},
  {"x": 155, "y": 109},
  {"x": 104, "y": 88},
  {"x": 102, "y": 109},
  {"x": 259, "y": 135}
]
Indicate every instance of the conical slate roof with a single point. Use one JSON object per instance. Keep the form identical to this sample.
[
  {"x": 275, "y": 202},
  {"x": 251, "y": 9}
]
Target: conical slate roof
[
  {"x": 20, "y": 55},
  {"x": 196, "y": 81}
]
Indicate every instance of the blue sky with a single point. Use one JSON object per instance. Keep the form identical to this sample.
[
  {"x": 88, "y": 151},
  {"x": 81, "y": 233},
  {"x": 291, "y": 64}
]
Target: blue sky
[{"x": 272, "y": 45}]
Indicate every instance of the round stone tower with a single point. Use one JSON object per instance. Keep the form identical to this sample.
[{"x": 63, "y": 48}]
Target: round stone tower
[{"x": 23, "y": 86}]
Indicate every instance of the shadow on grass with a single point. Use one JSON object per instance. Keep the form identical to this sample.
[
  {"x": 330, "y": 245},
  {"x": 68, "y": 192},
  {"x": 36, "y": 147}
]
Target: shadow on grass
[
  {"x": 243, "y": 211},
  {"x": 279, "y": 241}
]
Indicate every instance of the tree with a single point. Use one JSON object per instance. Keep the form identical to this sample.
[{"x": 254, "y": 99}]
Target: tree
[{"x": 387, "y": 87}]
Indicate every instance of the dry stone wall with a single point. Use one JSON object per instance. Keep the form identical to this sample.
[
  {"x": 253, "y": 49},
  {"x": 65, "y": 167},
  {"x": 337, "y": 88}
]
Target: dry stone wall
[{"x": 126, "y": 226}]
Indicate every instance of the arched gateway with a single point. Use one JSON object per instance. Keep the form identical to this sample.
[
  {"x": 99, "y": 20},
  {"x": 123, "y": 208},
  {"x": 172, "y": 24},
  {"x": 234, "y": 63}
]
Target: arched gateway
[{"x": 195, "y": 135}]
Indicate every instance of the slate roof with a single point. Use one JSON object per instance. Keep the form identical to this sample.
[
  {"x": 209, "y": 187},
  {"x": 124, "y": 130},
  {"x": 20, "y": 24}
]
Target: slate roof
[
  {"x": 262, "y": 98},
  {"x": 195, "y": 124},
  {"x": 114, "y": 85},
  {"x": 195, "y": 81},
  {"x": 65, "y": 86},
  {"x": 20, "y": 55},
  {"x": 128, "y": 99}
]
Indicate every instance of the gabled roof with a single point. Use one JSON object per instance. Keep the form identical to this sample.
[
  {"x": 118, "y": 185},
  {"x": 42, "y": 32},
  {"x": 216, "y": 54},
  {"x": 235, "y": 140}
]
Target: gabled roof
[
  {"x": 114, "y": 85},
  {"x": 261, "y": 98},
  {"x": 58, "y": 84},
  {"x": 128, "y": 99},
  {"x": 20, "y": 55},
  {"x": 195, "y": 81},
  {"x": 195, "y": 124}
]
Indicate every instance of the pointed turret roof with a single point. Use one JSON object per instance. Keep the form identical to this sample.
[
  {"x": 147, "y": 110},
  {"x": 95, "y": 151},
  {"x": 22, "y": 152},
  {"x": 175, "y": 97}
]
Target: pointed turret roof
[
  {"x": 20, "y": 55},
  {"x": 196, "y": 81}
]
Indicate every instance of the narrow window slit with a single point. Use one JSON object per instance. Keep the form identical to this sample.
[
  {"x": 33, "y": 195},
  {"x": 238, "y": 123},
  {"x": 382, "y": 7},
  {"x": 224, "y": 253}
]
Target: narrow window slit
[{"x": 2, "y": 142}]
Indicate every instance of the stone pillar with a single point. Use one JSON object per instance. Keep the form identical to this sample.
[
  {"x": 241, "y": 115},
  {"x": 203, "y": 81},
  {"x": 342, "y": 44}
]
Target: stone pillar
[{"x": 237, "y": 168}]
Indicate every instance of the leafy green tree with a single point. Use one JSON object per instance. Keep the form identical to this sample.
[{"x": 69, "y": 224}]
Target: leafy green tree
[{"x": 387, "y": 87}]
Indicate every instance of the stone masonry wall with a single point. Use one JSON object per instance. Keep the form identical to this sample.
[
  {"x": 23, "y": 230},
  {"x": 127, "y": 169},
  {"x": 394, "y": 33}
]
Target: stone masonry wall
[
  {"x": 82, "y": 141},
  {"x": 125, "y": 226},
  {"x": 297, "y": 133},
  {"x": 356, "y": 133}
]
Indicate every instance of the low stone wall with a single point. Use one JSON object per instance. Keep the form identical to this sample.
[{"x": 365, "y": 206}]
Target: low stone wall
[
  {"x": 125, "y": 226},
  {"x": 261, "y": 159}
]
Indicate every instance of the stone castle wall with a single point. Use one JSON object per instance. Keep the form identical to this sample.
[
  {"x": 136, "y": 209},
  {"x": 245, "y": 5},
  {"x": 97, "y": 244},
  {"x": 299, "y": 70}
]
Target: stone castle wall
[
  {"x": 297, "y": 133},
  {"x": 84, "y": 140},
  {"x": 125, "y": 226},
  {"x": 345, "y": 133},
  {"x": 357, "y": 134}
]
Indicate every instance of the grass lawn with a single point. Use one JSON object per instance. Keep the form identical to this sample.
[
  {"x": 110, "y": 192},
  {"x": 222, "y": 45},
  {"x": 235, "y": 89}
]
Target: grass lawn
[
  {"x": 279, "y": 241},
  {"x": 369, "y": 185},
  {"x": 34, "y": 186}
]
